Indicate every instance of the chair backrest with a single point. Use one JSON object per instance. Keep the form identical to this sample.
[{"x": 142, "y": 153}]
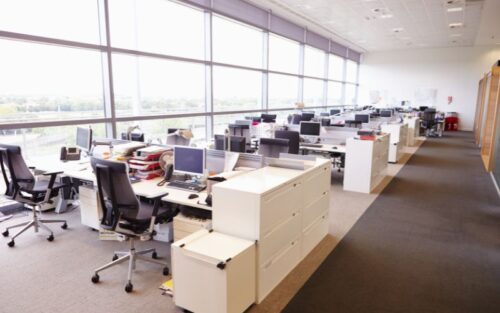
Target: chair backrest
[
  {"x": 272, "y": 148},
  {"x": 293, "y": 139},
  {"x": 429, "y": 115},
  {"x": 12, "y": 160},
  {"x": 115, "y": 191},
  {"x": 296, "y": 119}
]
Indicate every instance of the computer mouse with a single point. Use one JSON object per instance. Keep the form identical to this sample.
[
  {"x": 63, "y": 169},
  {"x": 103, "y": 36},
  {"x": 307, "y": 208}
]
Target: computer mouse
[{"x": 193, "y": 196}]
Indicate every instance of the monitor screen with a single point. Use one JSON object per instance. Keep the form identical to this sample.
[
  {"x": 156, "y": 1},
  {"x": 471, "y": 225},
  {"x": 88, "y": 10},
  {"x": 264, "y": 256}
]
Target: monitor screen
[
  {"x": 363, "y": 118},
  {"x": 84, "y": 138},
  {"x": 307, "y": 116},
  {"x": 386, "y": 113},
  {"x": 189, "y": 160},
  {"x": 268, "y": 118},
  {"x": 334, "y": 111},
  {"x": 310, "y": 128}
]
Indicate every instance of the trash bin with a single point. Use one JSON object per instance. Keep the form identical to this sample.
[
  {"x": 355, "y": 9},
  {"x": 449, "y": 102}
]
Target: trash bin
[{"x": 451, "y": 123}]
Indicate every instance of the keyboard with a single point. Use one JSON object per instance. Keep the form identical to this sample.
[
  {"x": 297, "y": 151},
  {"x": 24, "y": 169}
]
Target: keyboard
[
  {"x": 312, "y": 145},
  {"x": 186, "y": 185}
]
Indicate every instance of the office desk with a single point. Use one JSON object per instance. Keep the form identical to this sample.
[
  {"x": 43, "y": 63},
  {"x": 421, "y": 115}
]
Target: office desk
[{"x": 325, "y": 148}]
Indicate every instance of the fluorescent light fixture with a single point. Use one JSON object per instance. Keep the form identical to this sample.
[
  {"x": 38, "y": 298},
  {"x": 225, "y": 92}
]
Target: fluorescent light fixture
[
  {"x": 455, "y": 25},
  {"x": 456, "y": 9}
]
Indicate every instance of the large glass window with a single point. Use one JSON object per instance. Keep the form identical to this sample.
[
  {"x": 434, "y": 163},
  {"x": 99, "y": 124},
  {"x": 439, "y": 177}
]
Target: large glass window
[
  {"x": 283, "y": 55},
  {"x": 236, "y": 90},
  {"x": 336, "y": 67},
  {"x": 43, "y": 83},
  {"x": 75, "y": 20},
  {"x": 156, "y": 130},
  {"x": 313, "y": 92},
  {"x": 283, "y": 91},
  {"x": 145, "y": 86},
  {"x": 351, "y": 72},
  {"x": 235, "y": 43},
  {"x": 46, "y": 141},
  {"x": 314, "y": 62},
  {"x": 334, "y": 93},
  {"x": 350, "y": 94},
  {"x": 157, "y": 26}
]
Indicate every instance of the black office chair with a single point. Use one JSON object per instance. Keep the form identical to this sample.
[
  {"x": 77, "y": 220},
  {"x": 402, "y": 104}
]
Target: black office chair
[
  {"x": 296, "y": 119},
  {"x": 429, "y": 122},
  {"x": 271, "y": 148},
  {"x": 326, "y": 122},
  {"x": 124, "y": 214},
  {"x": 293, "y": 139},
  {"x": 24, "y": 188}
]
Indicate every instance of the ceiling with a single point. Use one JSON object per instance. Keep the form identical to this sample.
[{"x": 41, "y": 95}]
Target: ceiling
[{"x": 379, "y": 25}]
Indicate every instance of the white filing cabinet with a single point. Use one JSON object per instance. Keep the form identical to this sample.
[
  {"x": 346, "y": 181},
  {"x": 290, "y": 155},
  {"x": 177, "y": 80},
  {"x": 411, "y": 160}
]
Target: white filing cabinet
[
  {"x": 213, "y": 273},
  {"x": 413, "y": 129},
  {"x": 284, "y": 210},
  {"x": 366, "y": 163},
  {"x": 397, "y": 140}
]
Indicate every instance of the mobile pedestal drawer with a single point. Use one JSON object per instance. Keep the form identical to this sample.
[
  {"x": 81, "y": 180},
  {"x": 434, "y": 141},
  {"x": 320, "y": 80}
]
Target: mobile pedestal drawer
[{"x": 213, "y": 273}]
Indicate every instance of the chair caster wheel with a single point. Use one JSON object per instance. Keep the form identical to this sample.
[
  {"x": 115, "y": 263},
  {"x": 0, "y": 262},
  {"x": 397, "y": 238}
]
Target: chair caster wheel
[
  {"x": 95, "y": 279},
  {"x": 50, "y": 238},
  {"x": 129, "y": 287},
  {"x": 115, "y": 257},
  {"x": 11, "y": 243},
  {"x": 154, "y": 255},
  {"x": 64, "y": 226},
  {"x": 5, "y": 233},
  {"x": 166, "y": 271}
]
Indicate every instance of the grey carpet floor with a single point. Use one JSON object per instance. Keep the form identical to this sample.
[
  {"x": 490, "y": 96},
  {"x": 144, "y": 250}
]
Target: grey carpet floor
[{"x": 429, "y": 243}]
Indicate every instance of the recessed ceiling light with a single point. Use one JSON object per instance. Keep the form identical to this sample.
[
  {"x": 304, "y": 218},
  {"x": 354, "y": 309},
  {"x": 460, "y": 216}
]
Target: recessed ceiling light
[
  {"x": 386, "y": 16},
  {"x": 456, "y": 9},
  {"x": 455, "y": 25}
]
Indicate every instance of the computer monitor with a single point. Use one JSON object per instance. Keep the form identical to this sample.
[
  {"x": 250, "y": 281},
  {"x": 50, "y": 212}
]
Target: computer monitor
[
  {"x": 324, "y": 114},
  {"x": 335, "y": 111},
  {"x": 310, "y": 128},
  {"x": 422, "y": 108},
  {"x": 253, "y": 118},
  {"x": 306, "y": 117},
  {"x": 189, "y": 160},
  {"x": 363, "y": 118},
  {"x": 385, "y": 113},
  {"x": 243, "y": 122},
  {"x": 268, "y": 118},
  {"x": 220, "y": 142},
  {"x": 84, "y": 138}
]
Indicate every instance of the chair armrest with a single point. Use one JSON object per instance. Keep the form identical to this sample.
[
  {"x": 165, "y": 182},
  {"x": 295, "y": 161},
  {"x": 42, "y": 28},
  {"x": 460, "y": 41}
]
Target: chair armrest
[
  {"x": 31, "y": 167},
  {"x": 52, "y": 173}
]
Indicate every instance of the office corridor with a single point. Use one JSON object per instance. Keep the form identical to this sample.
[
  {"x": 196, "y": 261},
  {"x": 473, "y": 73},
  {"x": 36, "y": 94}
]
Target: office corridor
[{"x": 429, "y": 243}]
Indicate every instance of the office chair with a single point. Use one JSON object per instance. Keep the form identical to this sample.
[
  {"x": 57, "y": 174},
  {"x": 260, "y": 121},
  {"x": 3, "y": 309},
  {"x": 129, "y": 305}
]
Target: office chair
[
  {"x": 124, "y": 214},
  {"x": 293, "y": 139},
  {"x": 25, "y": 189},
  {"x": 326, "y": 122},
  {"x": 429, "y": 122},
  {"x": 271, "y": 148},
  {"x": 296, "y": 119}
]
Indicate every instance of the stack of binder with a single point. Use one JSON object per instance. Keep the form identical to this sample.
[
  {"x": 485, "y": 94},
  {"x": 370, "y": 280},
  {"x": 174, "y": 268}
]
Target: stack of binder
[{"x": 145, "y": 162}]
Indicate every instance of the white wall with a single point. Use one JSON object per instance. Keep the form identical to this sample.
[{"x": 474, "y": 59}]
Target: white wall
[{"x": 452, "y": 71}]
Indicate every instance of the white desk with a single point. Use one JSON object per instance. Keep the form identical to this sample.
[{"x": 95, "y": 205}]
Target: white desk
[{"x": 325, "y": 148}]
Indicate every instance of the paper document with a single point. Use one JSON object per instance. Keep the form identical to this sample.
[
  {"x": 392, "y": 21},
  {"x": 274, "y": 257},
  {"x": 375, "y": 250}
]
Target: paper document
[{"x": 230, "y": 160}]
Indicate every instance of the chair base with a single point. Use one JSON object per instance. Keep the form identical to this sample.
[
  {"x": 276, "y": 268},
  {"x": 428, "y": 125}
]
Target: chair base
[
  {"x": 35, "y": 223},
  {"x": 132, "y": 256}
]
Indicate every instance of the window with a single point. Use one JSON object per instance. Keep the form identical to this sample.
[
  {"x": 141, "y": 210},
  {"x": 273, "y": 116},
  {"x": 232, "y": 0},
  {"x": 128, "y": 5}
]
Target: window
[
  {"x": 350, "y": 94},
  {"x": 334, "y": 93},
  {"x": 75, "y": 20},
  {"x": 158, "y": 26},
  {"x": 336, "y": 68},
  {"x": 43, "y": 83},
  {"x": 39, "y": 142},
  {"x": 236, "y": 90},
  {"x": 284, "y": 55},
  {"x": 313, "y": 92},
  {"x": 282, "y": 116},
  {"x": 156, "y": 130},
  {"x": 314, "y": 62},
  {"x": 283, "y": 91},
  {"x": 235, "y": 43},
  {"x": 145, "y": 86},
  {"x": 351, "y": 72}
]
